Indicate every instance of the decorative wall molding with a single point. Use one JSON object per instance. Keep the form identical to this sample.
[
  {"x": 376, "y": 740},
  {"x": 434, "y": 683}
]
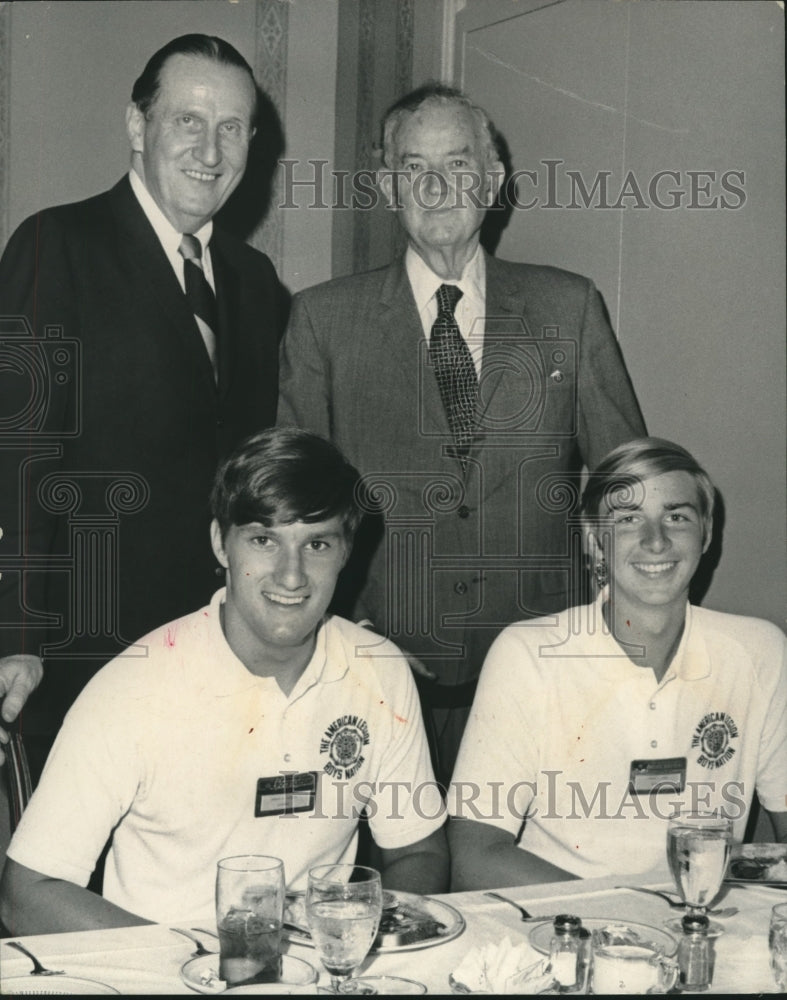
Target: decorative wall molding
[
  {"x": 404, "y": 47},
  {"x": 5, "y": 118},
  {"x": 270, "y": 70},
  {"x": 364, "y": 123}
]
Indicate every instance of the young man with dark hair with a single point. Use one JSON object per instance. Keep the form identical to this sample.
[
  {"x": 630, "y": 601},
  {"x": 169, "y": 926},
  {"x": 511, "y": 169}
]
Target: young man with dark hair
[{"x": 253, "y": 726}]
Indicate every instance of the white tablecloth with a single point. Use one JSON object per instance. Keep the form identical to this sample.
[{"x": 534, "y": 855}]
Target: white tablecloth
[{"x": 147, "y": 960}]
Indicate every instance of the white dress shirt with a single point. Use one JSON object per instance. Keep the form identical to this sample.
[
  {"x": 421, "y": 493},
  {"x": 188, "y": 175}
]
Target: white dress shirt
[
  {"x": 168, "y": 236},
  {"x": 471, "y": 308}
]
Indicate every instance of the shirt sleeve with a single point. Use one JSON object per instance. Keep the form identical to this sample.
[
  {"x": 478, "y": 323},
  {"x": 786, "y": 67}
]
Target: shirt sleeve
[
  {"x": 494, "y": 780},
  {"x": 772, "y": 759},
  {"x": 88, "y": 784},
  {"x": 406, "y": 805}
]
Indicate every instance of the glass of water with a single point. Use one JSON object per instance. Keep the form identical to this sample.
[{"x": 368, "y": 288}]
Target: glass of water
[
  {"x": 777, "y": 942},
  {"x": 698, "y": 849},
  {"x": 344, "y": 904}
]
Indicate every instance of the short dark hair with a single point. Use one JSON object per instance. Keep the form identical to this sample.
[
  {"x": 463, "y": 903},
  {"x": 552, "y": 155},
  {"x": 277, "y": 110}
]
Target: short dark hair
[
  {"x": 434, "y": 92},
  {"x": 148, "y": 84},
  {"x": 626, "y": 466},
  {"x": 282, "y": 475}
]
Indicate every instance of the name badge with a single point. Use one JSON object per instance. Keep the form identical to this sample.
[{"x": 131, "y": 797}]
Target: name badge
[
  {"x": 286, "y": 793},
  {"x": 654, "y": 777}
]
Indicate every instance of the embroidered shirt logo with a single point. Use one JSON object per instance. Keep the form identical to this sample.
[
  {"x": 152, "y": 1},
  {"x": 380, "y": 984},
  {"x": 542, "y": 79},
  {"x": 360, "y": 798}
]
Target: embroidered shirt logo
[
  {"x": 713, "y": 738},
  {"x": 344, "y": 741}
]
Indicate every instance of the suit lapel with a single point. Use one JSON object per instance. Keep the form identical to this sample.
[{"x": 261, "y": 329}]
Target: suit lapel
[
  {"x": 145, "y": 259},
  {"x": 406, "y": 350},
  {"x": 506, "y": 320},
  {"x": 227, "y": 305}
]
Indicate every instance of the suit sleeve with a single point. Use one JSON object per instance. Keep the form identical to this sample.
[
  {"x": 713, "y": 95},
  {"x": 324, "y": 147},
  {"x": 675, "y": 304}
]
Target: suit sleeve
[
  {"x": 609, "y": 413},
  {"x": 304, "y": 389},
  {"x": 34, "y": 295}
]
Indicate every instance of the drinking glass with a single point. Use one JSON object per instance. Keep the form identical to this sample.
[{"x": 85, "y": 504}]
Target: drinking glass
[
  {"x": 249, "y": 913},
  {"x": 344, "y": 904},
  {"x": 629, "y": 968},
  {"x": 698, "y": 849},
  {"x": 777, "y": 942}
]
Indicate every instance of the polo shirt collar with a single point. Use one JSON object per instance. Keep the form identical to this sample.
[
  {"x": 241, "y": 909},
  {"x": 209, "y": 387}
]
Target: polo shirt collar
[{"x": 692, "y": 660}]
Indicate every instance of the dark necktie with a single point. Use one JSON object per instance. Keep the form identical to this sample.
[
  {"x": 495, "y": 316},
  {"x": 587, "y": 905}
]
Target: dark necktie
[
  {"x": 455, "y": 371},
  {"x": 199, "y": 293}
]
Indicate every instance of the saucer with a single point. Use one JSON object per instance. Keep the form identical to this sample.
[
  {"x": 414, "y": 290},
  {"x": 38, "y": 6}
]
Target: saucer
[{"x": 202, "y": 974}]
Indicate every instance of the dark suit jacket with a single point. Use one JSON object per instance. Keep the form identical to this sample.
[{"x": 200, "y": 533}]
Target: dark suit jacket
[
  {"x": 461, "y": 556},
  {"x": 113, "y": 427}
]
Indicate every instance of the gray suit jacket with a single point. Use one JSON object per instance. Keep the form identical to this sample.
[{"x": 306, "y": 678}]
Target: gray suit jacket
[{"x": 450, "y": 557}]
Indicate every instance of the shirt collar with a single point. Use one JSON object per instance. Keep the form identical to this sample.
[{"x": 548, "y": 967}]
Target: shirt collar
[
  {"x": 166, "y": 232},
  {"x": 424, "y": 282},
  {"x": 323, "y": 667},
  {"x": 691, "y": 661}
]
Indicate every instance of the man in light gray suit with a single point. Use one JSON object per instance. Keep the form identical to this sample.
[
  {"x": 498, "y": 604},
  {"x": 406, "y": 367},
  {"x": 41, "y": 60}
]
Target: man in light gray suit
[{"x": 470, "y": 392}]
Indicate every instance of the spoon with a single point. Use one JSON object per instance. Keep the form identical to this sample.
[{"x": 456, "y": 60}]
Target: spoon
[
  {"x": 201, "y": 949},
  {"x": 38, "y": 969},
  {"x": 678, "y": 904}
]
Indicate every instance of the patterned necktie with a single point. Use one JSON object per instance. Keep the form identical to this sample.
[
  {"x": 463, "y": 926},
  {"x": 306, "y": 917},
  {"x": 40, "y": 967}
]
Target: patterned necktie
[
  {"x": 454, "y": 370},
  {"x": 199, "y": 294}
]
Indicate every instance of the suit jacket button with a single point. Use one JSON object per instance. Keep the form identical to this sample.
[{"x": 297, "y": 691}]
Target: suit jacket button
[
  {"x": 460, "y": 588},
  {"x": 464, "y": 511}
]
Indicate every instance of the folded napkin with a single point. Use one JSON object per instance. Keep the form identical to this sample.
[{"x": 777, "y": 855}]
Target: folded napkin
[{"x": 503, "y": 968}]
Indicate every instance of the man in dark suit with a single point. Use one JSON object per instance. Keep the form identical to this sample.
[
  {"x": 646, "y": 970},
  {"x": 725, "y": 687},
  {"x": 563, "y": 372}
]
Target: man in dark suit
[
  {"x": 470, "y": 391},
  {"x": 150, "y": 356}
]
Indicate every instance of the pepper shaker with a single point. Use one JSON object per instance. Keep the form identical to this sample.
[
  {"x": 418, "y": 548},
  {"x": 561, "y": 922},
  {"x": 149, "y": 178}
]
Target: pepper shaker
[{"x": 695, "y": 955}]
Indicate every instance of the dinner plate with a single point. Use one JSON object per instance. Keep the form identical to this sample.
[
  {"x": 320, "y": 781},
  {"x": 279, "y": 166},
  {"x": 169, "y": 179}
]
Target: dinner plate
[
  {"x": 53, "y": 986},
  {"x": 202, "y": 974},
  {"x": 541, "y": 935},
  {"x": 452, "y": 921},
  {"x": 758, "y": 864}
]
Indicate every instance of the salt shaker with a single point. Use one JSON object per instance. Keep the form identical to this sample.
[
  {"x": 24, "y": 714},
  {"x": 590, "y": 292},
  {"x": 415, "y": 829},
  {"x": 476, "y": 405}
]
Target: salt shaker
[
  {"x": 695, "y": 955},
  {"x": 564, "y": 951}
]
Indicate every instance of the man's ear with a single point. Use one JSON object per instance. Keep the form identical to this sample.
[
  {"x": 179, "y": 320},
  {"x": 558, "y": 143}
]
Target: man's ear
[
  {"x": 135, "y": 127},
  {"x": 217, "y": 543},
  {"x": 708, "y": 533},
  {"x": 593, "y": 547},
  {"x": 388, "y": 184},
  {"x": 494, "y": 179}
]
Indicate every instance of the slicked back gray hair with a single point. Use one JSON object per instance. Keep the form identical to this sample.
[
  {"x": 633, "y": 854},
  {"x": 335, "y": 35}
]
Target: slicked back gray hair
[{"x": 436, "y": 93}]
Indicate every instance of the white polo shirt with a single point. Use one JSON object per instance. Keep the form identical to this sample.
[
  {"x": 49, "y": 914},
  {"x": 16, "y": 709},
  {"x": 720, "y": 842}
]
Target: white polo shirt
[
  {"x": 561, "y": 713},
  {"x": 194, "y": 758}
]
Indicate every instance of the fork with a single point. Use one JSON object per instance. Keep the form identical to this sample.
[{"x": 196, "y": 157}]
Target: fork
[
  {"x": 503, "y": 899},
  {"x": 38, "y": 969},
  {"x": 677, "y": 904},
  {"x": 201, "y": 949}
]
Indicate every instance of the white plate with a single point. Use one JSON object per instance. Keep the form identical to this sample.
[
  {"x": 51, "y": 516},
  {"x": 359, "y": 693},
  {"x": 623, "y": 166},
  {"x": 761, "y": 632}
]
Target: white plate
[
  {"x": 452, "y": 920},
  {"x": 202, "y": 974},
  {"x": 541, "y": 935},
  {"x": 53, "y": 986},
  {"x": 758, "y": 864}
]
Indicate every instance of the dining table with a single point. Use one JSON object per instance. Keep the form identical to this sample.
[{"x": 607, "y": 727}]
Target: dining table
[{"x": 148, "y": 959}]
